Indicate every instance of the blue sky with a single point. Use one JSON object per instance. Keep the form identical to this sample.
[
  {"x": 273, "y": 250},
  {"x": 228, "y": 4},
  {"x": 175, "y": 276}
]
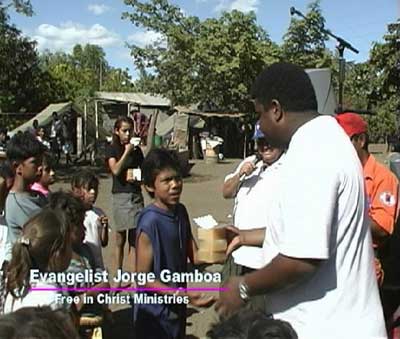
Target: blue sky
[{"x": 60, "y": 24}]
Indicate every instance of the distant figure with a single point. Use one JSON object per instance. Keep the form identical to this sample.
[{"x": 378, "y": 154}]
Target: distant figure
[
  {"x": 41, "y": 136},
  {"x": 55, "y": 135},
  {"x": 66, "y": 141},
  {"x": 3, "y": 139}
]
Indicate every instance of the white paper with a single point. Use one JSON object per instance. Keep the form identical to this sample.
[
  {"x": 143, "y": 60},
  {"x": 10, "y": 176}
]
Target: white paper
[
  {"x": 137, "y": 174},
  {"x": 3, "y": 243},
  {"x": 207, "y": 222}
]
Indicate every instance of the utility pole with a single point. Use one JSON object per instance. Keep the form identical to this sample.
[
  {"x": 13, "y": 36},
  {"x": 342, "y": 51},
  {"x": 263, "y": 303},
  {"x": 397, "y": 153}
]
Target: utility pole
[{"x": 101, "y": 76}]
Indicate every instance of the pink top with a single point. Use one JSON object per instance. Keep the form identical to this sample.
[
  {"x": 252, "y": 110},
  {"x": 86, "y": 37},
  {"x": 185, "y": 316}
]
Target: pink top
[{"x": 38, "y": 187}]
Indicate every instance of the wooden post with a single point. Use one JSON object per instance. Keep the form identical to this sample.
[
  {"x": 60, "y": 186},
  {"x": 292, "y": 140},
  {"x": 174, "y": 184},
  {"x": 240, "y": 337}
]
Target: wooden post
[{"x": 96, "y": 115}]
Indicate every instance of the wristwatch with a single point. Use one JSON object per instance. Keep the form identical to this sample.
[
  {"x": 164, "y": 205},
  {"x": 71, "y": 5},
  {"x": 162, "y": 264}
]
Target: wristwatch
[{"x": 244, "y": 291}]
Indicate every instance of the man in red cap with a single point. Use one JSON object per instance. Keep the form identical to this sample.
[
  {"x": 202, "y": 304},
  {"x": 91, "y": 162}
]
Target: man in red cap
[{"x": 381, "y": 184}]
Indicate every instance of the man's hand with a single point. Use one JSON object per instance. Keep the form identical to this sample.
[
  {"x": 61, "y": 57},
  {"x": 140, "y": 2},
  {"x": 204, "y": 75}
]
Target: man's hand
[
  {"x": 229, "y": 301},
  {"x": 200, "y": 300},
  {"x": 247, "y": 168},
  {"x": 232, "y": 239}
]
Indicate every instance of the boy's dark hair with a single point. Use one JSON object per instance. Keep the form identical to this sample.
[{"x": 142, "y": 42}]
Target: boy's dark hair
[
  {"x": 84, "y": 179},
  {"x": 23, "y": 146},
  {"x": 72, "y": 206},
  {"x": 247, "y": 324},
  {"x": 157, "y": 160},
  {"x": 287, "y": 83},
  {"x": 48, "y": 160},
  {"x": 37, "y": 323}
]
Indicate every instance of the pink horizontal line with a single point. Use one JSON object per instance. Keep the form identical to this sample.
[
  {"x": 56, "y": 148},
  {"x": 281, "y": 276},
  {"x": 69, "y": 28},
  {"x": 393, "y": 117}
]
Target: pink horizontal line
[{"x": 128, "y": 289}]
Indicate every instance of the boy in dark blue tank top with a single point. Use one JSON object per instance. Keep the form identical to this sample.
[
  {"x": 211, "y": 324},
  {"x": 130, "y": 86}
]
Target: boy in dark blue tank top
[{"x": 164, "y": 242}]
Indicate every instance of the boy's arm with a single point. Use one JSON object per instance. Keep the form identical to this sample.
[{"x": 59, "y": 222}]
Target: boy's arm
[{"x": 144, "y": 263}]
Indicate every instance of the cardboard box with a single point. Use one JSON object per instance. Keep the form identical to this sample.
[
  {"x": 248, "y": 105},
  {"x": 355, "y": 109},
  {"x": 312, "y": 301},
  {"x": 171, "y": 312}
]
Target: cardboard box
[{"x": 212, "y": 245}]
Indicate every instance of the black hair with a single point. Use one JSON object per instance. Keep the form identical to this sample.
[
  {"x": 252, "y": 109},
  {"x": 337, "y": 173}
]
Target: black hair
[
  {"x": 157, "y": 160},
  {"x": 6, "y": 170},
  {"x": 84, "y": 179},
  {"x": 48, "y": 160},
  {"x": 22, "y": 146},
  {"x": 54, "y": 114},
  {"x": 287, "y": 83},
  {"x": 38, "y": 323},
  {"x": 3, "y": 130},
  {"x": 71, "y": 205},
  {"x": 247, "y": 324}
]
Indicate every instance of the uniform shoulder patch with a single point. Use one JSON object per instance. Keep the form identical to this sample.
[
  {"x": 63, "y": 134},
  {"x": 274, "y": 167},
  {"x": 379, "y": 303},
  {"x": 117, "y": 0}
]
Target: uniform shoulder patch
[{"x": 387, "y": 199}]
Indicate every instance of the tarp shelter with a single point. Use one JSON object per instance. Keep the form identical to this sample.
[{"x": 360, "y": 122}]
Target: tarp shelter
[
  {"x": 80, "y": 125},
  {"x": 322, "y": 81},
  {"x": 121, "y": 103}
]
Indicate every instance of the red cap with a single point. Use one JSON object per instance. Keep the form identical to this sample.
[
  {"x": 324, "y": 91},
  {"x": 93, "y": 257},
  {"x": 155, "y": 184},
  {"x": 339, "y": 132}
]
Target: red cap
[{"x": 352, "y": 123}]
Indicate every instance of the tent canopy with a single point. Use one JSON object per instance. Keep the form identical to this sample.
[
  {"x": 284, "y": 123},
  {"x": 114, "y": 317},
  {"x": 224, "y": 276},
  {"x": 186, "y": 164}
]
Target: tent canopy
[
  {"x": 141, "y": 99},
  {"x": 45, "y": 117}
]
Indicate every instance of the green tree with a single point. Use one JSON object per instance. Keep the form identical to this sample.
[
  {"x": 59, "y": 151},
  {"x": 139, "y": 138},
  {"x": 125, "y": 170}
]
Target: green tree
[
  {"x": 304, "y": 42},
  {"x": 21, "y": 78},
  {"x": 213, "y": 61}
]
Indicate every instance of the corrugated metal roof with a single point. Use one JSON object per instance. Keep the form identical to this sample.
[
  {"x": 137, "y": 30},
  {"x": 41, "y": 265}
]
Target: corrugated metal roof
[{"x": 141, "y": 99}]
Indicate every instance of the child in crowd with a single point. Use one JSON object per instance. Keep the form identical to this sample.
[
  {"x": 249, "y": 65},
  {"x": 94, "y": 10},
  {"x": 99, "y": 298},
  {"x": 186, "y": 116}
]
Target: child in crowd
[
  {"x": 48, "y": 176},
  {"x": 41, "y": 136},
  {"x": 82, "y": 257},
  {"x": 38, "y": 322},
  {"x": 164, "y": 241},
  {"x": 122, "y": 157},
  {"x": 25, "y": 155},
  {"x": 6, "y": 182},
  {"x": 45, "y": 245},
  {"x": 85, "y": 186},
  {"x": 247, "y": 324}
]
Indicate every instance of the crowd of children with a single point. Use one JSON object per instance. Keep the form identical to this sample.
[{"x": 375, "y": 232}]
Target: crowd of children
[{"x": 63, "y": 231}]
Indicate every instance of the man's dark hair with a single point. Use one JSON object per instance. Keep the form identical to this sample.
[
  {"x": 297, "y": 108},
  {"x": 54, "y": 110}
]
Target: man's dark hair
[
  {"x": 85, "y": 179},
  {"x": 3, "y": 130},
  {"x": 247, "y": 324},
  {"x": 23, "y": 146},
  {"x": 157, "y": 160},
  {"x": 287, "y": 83}
]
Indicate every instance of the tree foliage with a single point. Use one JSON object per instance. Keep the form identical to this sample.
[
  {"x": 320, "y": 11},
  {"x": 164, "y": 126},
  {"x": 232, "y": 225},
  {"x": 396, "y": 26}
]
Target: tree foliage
[
  {"x": 304, "y": 42},
  {"x": 213, "y": 61},
  {"x": 23, "y": 84}
]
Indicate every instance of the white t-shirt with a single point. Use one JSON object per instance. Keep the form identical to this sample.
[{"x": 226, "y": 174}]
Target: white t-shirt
[
  {"x": 92, "y": 235},
  {"x": 253, "y": 196},
  {"x": 53, "y": 299},
  {"x": 321, "y": 213}
]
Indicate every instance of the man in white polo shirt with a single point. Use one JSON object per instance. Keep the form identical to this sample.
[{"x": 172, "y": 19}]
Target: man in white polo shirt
[
  {"x": 322, "y": 281},
  {"x": 252, "y": 185}
]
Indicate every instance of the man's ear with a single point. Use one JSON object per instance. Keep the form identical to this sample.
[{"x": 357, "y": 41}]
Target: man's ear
[
  {"x": 277, "y": 112},
  {"x": 362, "y": 139},
  {"x": 16, "y": 166}
]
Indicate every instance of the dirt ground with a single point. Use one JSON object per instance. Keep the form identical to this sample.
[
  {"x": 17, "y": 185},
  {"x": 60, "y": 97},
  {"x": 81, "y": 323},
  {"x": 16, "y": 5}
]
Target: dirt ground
[{"x": 201, "y": 195}]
